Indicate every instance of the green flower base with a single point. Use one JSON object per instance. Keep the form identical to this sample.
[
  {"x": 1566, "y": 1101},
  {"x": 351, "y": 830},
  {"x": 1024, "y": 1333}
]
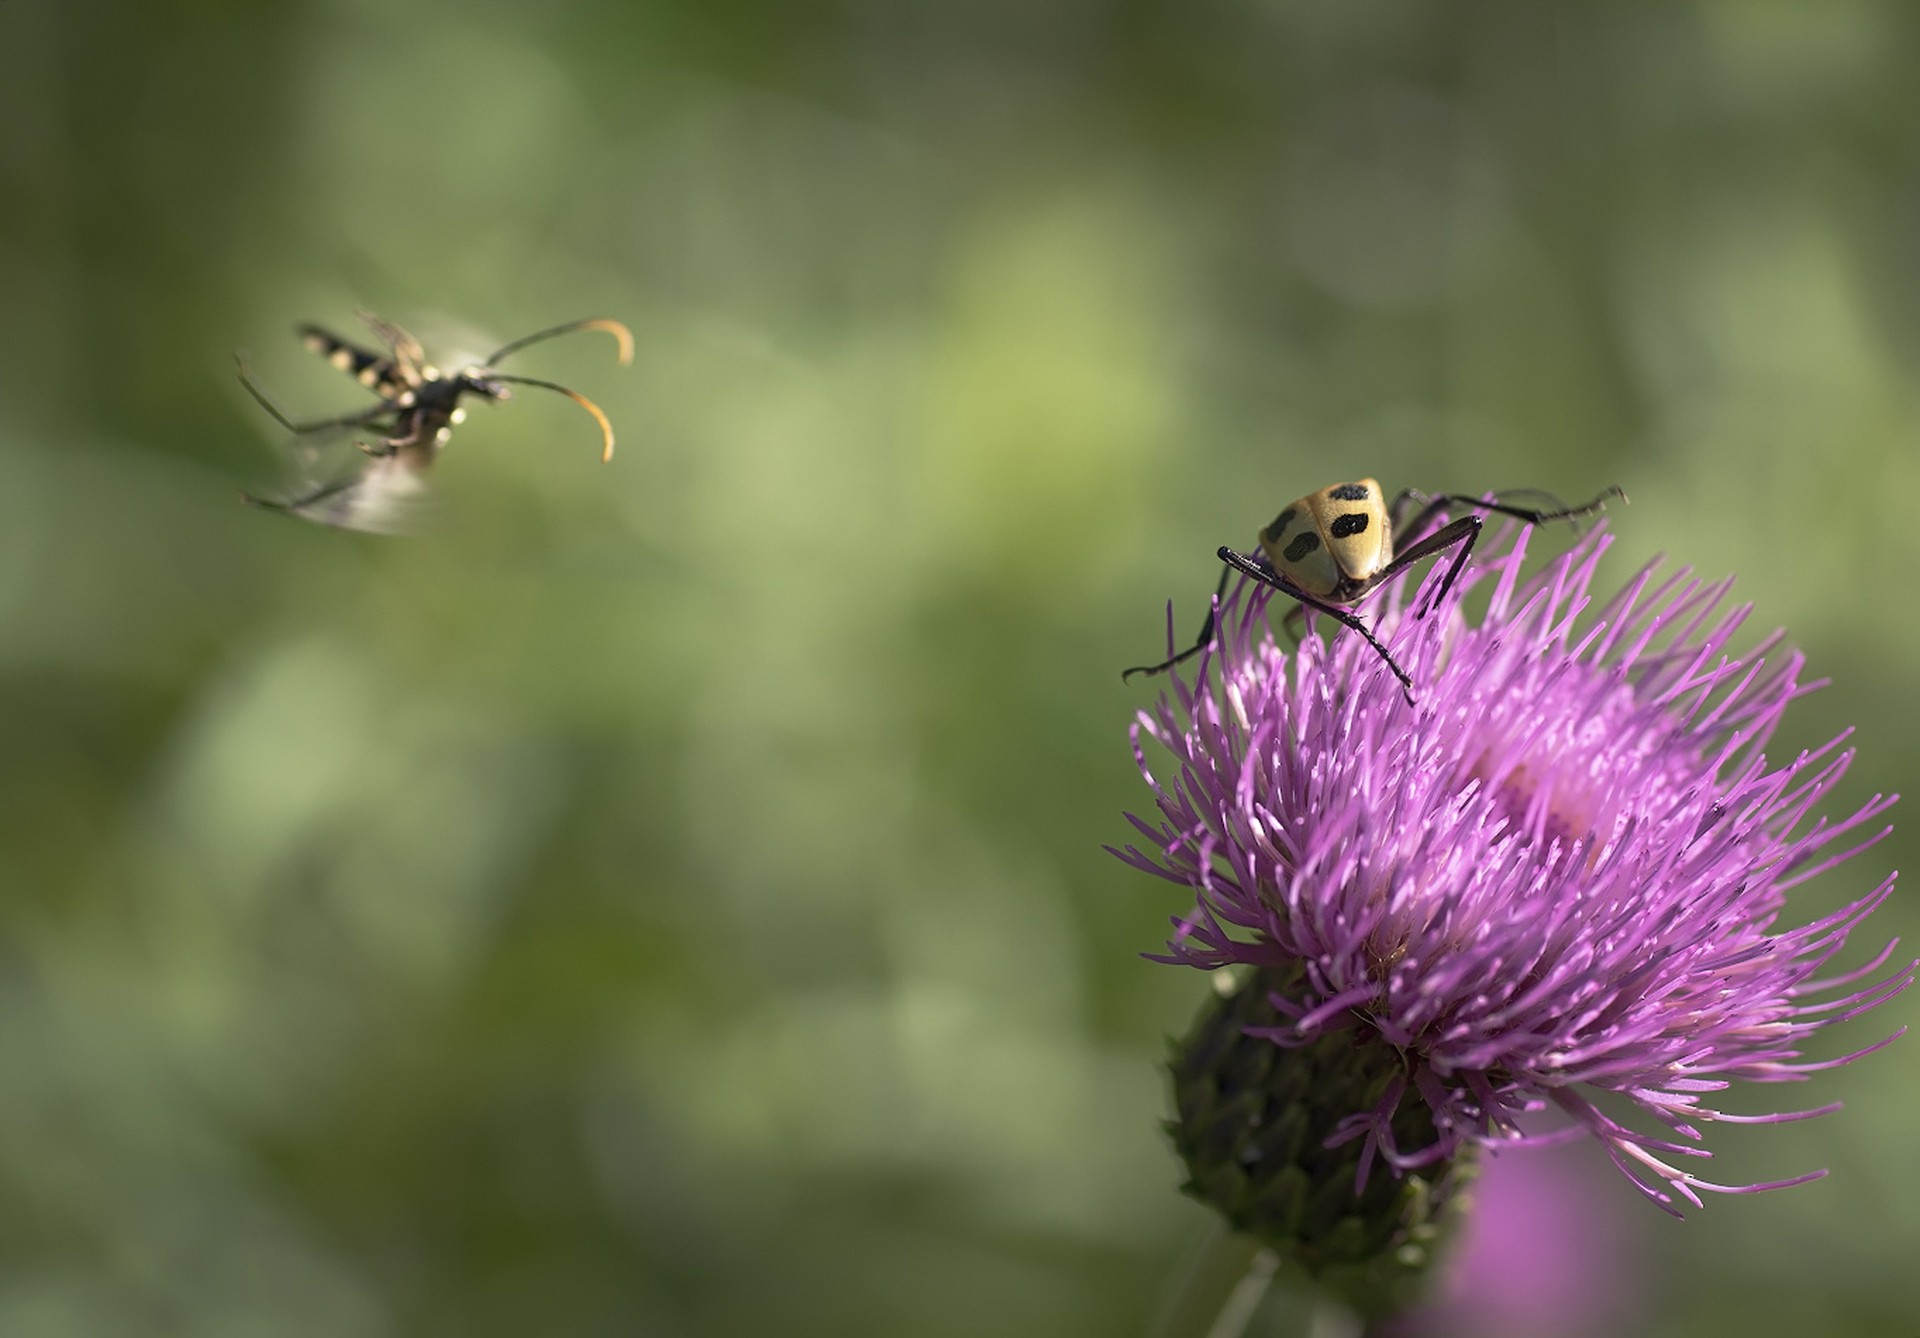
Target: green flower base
[{"x": 1252, "y": 1121}]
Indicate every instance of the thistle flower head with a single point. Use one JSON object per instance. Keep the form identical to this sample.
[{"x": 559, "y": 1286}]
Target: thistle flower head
[{"x": 1560, "y": 873}]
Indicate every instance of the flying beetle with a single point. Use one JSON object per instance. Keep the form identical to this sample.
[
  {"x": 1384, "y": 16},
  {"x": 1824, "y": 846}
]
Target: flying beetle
[
  {"x": 1328, "y": 550},
  {"x": 417, "y": 409}
]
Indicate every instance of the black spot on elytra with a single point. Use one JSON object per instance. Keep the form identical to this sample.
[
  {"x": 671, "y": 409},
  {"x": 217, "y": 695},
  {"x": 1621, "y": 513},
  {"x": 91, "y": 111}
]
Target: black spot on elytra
[
  {"x": 1349, "y": 492},
  {"x": 1279, "y": 527},
  {"x": 1345, "y": 527},
  {"x": 1300, "y": 547}
]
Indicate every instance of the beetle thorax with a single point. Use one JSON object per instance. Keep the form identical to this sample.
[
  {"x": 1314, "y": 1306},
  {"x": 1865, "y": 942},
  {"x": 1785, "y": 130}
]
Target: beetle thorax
[{"x": 1332, "y": 543}]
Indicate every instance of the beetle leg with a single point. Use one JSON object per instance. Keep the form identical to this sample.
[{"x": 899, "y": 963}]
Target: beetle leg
[
  {"x": 360, "y": 419},
  {"x": 297, "y": 505},
  {"x": 1200, "y": 643},
  {"x": 1555, "y": 509},
  {"x": 1260, "y": 572},
  {"x": 1464, "y": 532}
]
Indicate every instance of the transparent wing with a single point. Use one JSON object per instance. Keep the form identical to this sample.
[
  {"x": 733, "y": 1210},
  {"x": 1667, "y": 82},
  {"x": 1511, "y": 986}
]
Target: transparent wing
[{"x": 387, "y": 494}]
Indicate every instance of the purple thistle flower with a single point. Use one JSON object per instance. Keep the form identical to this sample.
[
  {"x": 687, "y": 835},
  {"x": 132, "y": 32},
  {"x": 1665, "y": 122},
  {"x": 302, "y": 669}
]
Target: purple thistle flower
[{"x": 1558, "y": 874}]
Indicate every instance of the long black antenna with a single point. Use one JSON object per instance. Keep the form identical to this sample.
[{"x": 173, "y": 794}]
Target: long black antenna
[
  {"x": 612, "y": 327},
  {"x": 606, "y": 425}
]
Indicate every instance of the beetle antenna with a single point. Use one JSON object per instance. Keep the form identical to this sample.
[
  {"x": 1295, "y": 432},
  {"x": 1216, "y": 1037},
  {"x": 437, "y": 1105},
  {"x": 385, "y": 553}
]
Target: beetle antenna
[
  {"x": 606, "y": 426},
  {"x": 612, "y": 327}
]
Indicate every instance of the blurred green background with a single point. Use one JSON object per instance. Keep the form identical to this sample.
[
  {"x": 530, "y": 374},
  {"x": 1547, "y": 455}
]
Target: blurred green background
[{"x": 668, "y": 899}]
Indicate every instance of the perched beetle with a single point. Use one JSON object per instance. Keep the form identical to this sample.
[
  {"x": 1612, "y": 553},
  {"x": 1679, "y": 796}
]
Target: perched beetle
[
  {"x": 418, "y": 409},
  {"x": 1329, "y": 549}
]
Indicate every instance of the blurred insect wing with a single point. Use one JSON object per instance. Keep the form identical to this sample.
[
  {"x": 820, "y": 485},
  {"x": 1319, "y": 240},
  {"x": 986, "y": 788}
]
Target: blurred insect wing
[{"x": 388, "y": 495}]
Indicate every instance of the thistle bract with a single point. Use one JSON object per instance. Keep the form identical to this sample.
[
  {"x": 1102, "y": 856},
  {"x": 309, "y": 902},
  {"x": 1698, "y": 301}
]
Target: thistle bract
[{"x": 1560, "y": 873}]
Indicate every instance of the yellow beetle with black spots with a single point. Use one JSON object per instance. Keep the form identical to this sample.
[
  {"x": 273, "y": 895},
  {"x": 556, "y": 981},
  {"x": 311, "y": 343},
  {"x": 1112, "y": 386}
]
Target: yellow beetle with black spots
[{"x": 1329, "y": 549}]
